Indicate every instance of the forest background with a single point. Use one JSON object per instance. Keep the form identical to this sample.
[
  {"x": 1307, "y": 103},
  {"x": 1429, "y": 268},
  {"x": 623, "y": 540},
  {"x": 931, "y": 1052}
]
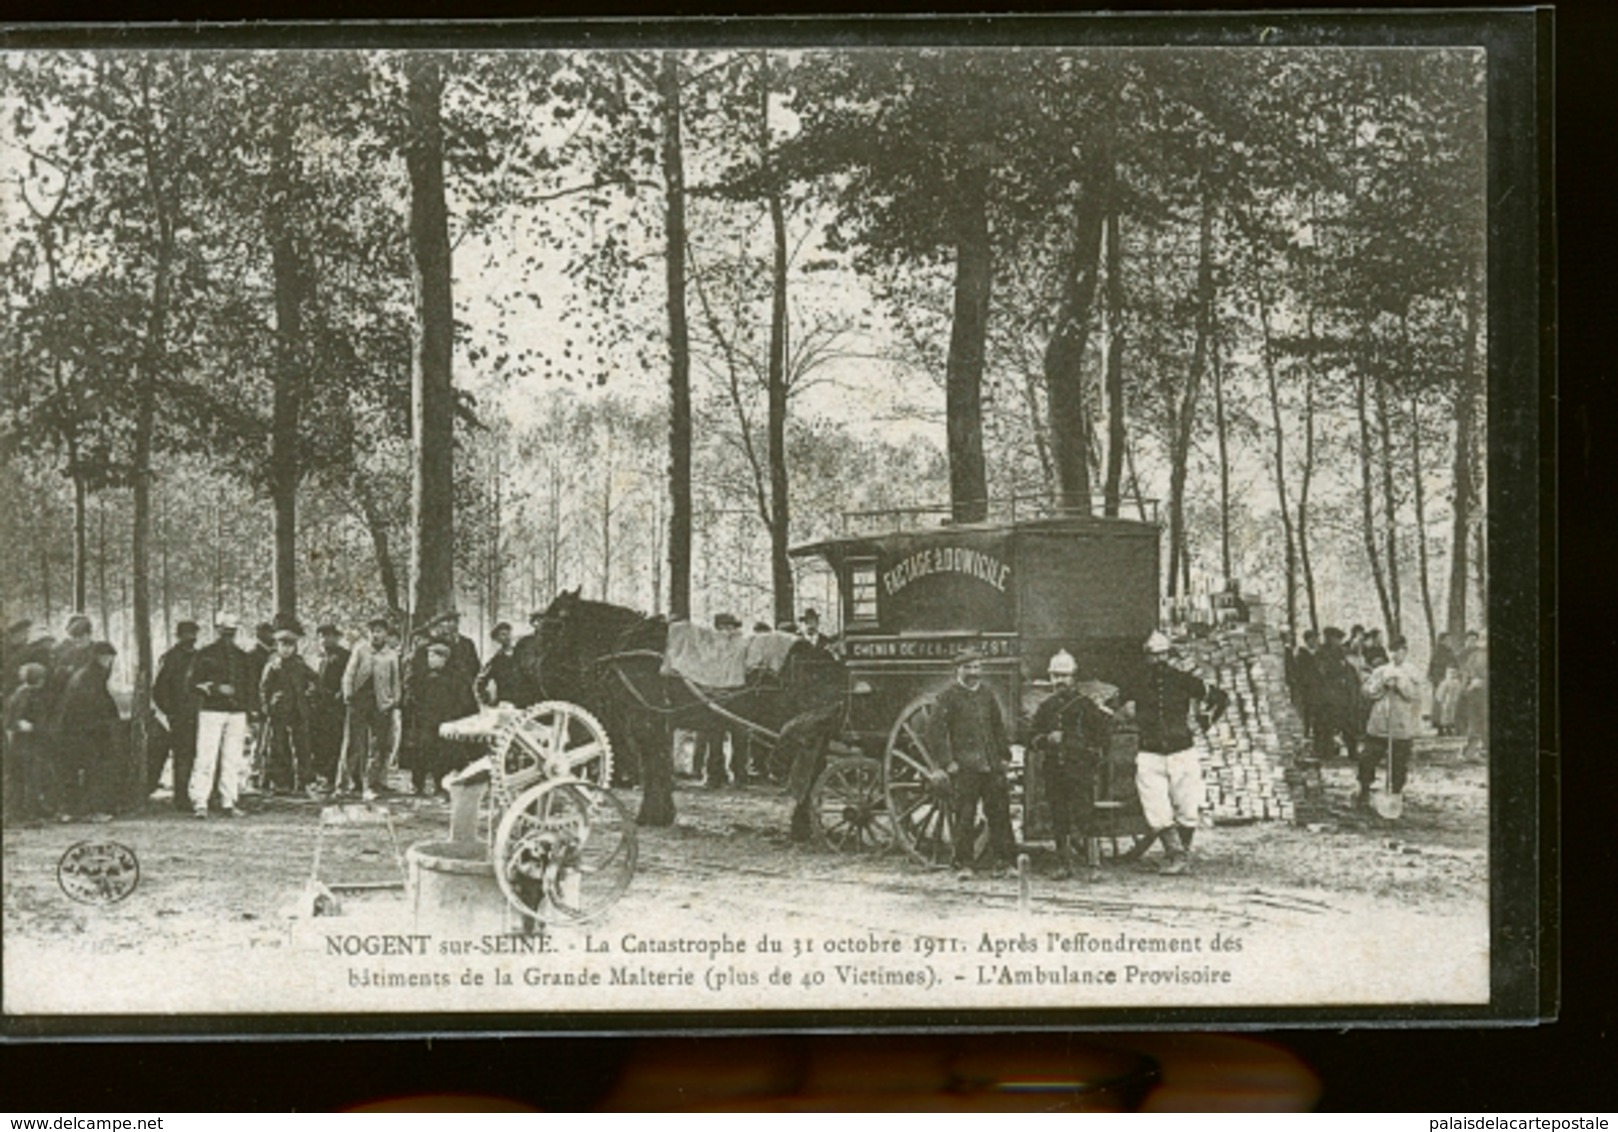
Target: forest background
[{"x": 341, "y": 332}]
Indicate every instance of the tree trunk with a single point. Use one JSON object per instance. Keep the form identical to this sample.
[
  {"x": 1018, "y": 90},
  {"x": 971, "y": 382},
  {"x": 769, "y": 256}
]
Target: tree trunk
[
  {"x": 606, "y": 520},
  {"x": 1070, "y": 337},
  {"x": 1112, "y": 492},
  {"x": 45, "y": 572},
  {"x": 1368, "y": 494},
  {"x": 1390, "y": 516},
  {"x": 1290, "y": 543},
  {"x": 657, "y": 770},
  {"x": 1041, "y": 434},
  {"x": 1306, "y": 478},
  {"x": 381, "y": 547},
  {"x": 1465, "y": 490},
  {"x": 150, "y": 363},
  {"x": 432, "y": 496},
  {"x": 679, "y": 364},
  {"x": 780, "y": 503},
  {"x": 81, "y": 537},
  {"x": 1223, "y": 444},
  {"x": 1182, "y": 419},
  {"x": 287, "y": 391},
  {"x": 101, "y": 569},
  {"x": 1418, "y": 474},
  {"x": 963, "y": 373}
]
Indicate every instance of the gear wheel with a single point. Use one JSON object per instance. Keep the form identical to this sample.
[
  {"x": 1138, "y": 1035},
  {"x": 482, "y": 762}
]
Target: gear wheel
[{"x": 551, "y": 739}]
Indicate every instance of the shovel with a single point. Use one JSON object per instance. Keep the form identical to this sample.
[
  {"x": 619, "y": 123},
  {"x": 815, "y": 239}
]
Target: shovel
[{"x": 1388, "y": 805}]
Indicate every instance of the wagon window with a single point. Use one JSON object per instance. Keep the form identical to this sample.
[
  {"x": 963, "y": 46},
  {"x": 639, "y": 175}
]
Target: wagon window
[{"x": 862, "y": 590}]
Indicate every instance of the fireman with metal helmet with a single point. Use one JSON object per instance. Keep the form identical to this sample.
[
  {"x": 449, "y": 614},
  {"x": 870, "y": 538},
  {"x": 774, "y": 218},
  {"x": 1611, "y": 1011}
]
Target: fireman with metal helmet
[
  {"x": 1168, "y": 773},
  {"x": 1070, "y": 728}
]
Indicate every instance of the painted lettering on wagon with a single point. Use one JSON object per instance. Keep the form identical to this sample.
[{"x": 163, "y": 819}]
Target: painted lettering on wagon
[{"x": 947, "y": 559}]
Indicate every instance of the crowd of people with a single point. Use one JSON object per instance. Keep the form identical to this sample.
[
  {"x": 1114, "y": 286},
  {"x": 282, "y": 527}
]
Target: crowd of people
[
  {"x": 272, "y": 715},
  {"x": 1365, "y": 699}
]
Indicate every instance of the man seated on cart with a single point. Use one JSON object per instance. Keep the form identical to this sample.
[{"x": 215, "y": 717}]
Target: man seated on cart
[
  {"x": 1070, "y": 728},
  {"x": 977, "y": 756}
]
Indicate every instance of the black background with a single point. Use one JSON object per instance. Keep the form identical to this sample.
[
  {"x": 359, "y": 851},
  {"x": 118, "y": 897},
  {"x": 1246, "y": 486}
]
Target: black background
[{"x": 1568, "y": 1065}]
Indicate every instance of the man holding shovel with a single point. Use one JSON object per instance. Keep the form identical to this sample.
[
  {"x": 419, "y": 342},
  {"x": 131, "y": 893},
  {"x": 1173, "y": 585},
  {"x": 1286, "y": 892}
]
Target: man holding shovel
[{"x": 1394, "y": 691}]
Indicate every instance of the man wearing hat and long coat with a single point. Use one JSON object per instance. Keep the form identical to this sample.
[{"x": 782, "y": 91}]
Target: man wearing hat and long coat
[
  {"x": 1168, "y": 772},
  {"x": 976, "y": 754}
]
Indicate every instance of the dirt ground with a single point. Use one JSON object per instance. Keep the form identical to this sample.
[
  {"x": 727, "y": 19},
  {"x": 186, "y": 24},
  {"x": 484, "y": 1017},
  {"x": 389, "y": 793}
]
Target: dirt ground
[{"x": 1351, "y": 881}]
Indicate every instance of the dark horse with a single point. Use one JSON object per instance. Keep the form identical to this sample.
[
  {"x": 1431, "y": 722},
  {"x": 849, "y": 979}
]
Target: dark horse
[{"x": 608, "y": 660}]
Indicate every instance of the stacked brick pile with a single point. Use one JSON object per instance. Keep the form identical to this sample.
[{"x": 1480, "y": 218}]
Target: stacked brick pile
[{"x": 1254, "y": 760}]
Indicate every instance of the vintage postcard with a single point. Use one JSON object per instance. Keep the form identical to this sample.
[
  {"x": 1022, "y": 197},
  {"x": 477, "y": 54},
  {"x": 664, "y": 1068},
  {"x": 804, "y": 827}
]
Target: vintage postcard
[{"x": 603, "y": 526}]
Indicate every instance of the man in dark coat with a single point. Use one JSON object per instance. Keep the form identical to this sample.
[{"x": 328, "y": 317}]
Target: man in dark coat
[
  {"x": 1306, "y": 679},
  {"x": 68, "y": 656},
  {"x": 28, "y": 773},
  {"x": 1070, "y": 730},
  {"x": 86, "y": 721},
  {"x": 502, "y": 679},
  {"x": 174, "y": 696},
  {"x": 526, "y": 654},
  {"x": 977, "y": 754},
  {"x": 1337, "y": 698},
  {"x": 285, "y": 690},
  {"x": 438, "y": 697},
  {"x": 11, "y": 660},
  {"x": 326, "y": 707}
]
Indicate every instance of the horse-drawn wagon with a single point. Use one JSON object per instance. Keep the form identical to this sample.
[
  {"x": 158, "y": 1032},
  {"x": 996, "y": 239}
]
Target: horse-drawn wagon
[
  {"x": 853, "y": 734},
  {"x": 1016, "y": 592}
]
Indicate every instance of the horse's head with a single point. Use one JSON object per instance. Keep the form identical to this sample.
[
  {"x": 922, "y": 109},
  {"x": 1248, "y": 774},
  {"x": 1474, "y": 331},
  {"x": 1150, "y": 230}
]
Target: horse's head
[{"x": 556, "y": 636}]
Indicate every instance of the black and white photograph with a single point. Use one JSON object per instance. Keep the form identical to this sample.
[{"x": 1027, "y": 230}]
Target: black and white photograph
[{"x": 771, "y": 523}]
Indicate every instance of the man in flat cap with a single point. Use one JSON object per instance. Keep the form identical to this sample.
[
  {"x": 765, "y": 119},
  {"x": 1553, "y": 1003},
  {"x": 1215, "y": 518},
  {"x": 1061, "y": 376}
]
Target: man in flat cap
[
  {"x": 326, "y": 704},
  {"x": 286, "y": 689},
  {"x": 976, "y": 753},
  {"x": 525, "y": 655},
  {"x": 372, "y": 689}
]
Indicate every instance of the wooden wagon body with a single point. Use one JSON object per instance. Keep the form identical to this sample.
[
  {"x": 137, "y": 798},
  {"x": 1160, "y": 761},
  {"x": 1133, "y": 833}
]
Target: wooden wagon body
[{"x": 1018, "y": 591}]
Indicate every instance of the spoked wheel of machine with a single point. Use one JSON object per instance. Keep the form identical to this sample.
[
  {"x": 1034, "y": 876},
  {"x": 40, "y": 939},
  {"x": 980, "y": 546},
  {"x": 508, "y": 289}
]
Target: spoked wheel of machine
[
  {"x": 849, "y": 807},
  {"x": 921, "y": 798},
  {"x": 567, "y": 847},
  {"x": 551, "y": 739}
]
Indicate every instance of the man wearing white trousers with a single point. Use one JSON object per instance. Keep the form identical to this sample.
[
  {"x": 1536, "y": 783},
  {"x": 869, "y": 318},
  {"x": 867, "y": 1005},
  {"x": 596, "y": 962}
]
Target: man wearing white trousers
[
  {"x": 222, "y": 678},
  {"x": 1168, "y": 774}
]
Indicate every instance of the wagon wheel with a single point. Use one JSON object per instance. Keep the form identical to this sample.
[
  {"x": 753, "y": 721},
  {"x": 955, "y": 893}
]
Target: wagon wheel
[
  {"x": 921, "y": 798},
  {"x": 551, "y": 739},
  {"x": 849, "y": 808},
  {"x": 565, "y": 845}
]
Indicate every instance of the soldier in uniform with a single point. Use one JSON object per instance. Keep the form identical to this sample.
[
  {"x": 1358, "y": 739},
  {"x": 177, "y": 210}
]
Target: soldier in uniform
[{"x": 1070, "y": 728}]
